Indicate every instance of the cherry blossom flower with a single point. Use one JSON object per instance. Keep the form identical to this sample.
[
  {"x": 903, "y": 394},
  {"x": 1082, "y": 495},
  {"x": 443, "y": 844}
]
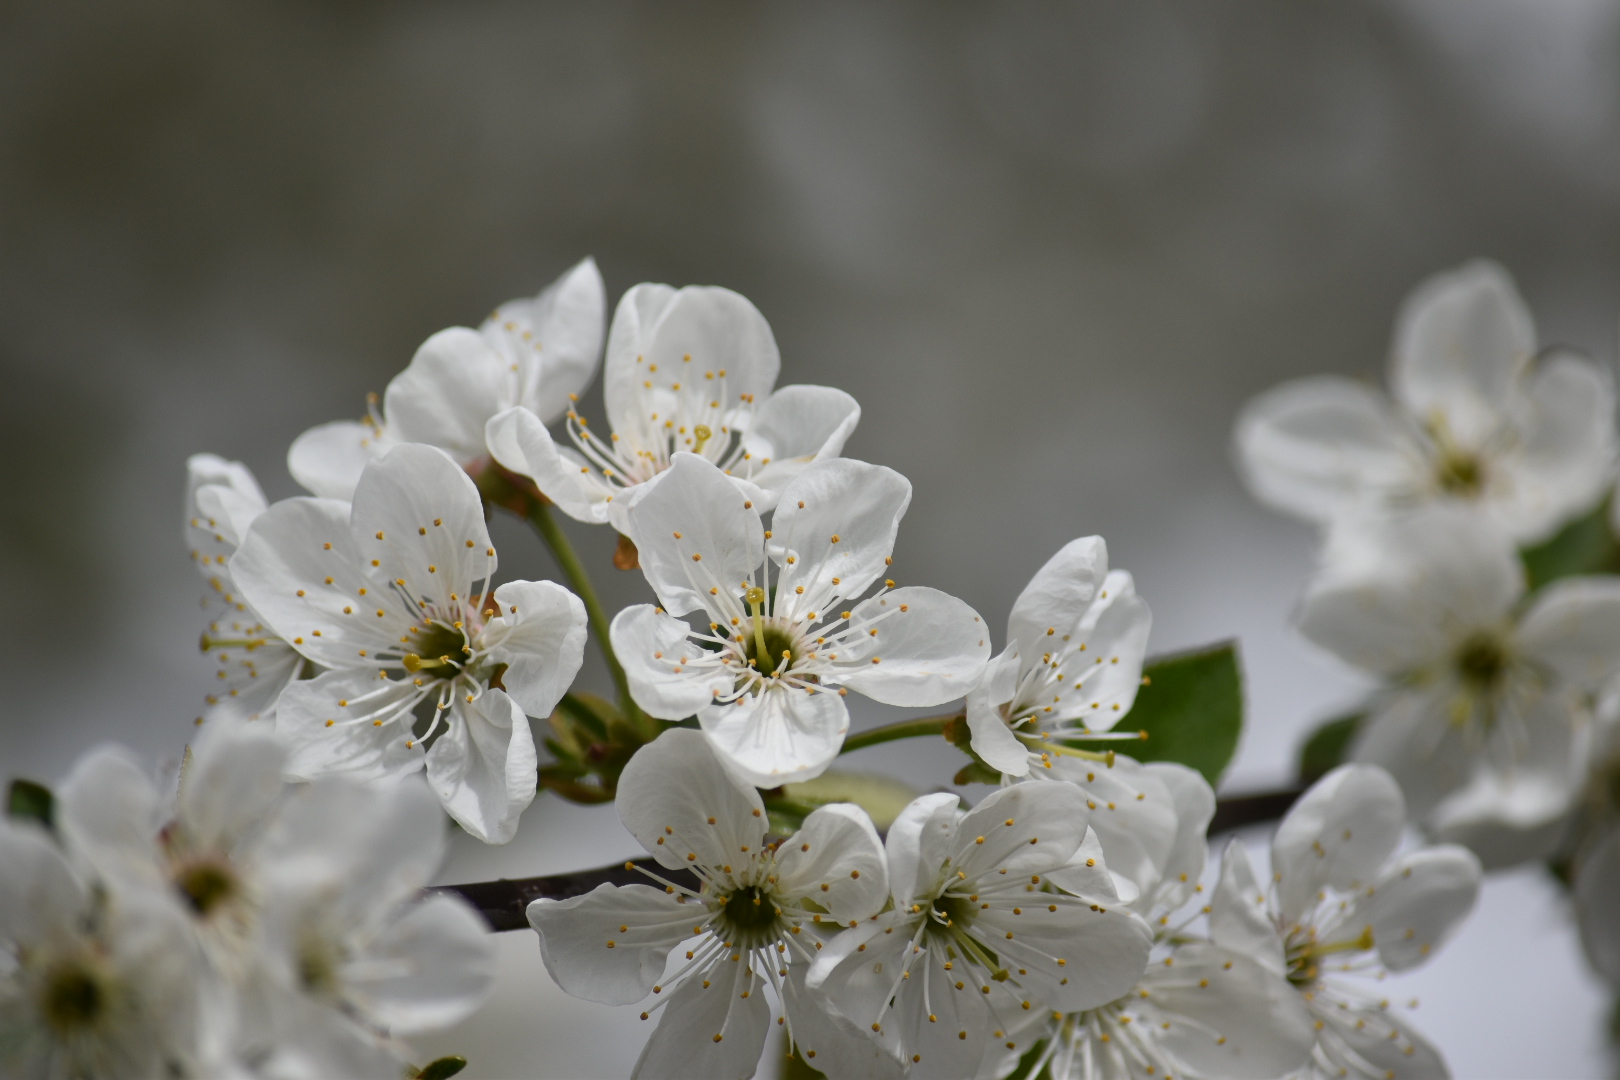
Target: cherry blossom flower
[
  {"x": 687, "y": 370},
  {"x": 535, "y": 353},
  {"x": 1200, "y": 1010},
  {"x": 1341, "y": 902},
  {"x": 255, "y": 665},
  {"x": 93, "y": 983},
  {"x": 394, "y": 595},
  {"x": 766, "y": 675},
  {"x": 1592, "y": 843},
  {"x": 755, "y": 923},
  {"x": 979, "y": 944},
  {"x": 1485, "y": 706},
  {"x": 1479, "y": 416},
  {"x": 1076, "y": 640}
]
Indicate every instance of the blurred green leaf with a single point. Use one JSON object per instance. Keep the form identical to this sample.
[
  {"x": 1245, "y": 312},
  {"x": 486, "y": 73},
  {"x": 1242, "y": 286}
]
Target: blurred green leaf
[
  {"x": 1584, "y": 546},
  {"x": 442, "y": 1069},
  {"x": 1328, "y": 746},
  {"x": 1026, "y": 1064},
  {"x": 794, "y": 1067},
  {"x": 29, "y": 801},
  {"x": 882, "y": 797},
  {"x": 1191, "y": 707}
]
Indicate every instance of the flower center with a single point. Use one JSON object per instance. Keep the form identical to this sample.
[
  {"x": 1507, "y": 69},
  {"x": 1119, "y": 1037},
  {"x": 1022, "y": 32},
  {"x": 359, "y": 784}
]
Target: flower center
[
  {"x": 317, "y": 967},
  {"x": 437, "y": 649},
  {"x": 1460, "y": 473},
  {"x": 74, "y": 998},
  {"x": 1482, "y": 660},
  {"x": 205, "y": 886},
  {"x": 751, "y": 915},
  {"x": 954, "y": 913},
  {"x": 1305, "y": 955},
  {"x": 771, "y": 648}
]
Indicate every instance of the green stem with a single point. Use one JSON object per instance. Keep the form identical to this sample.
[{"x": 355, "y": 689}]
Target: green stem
[
  {"x": 561, "y": 550},
  {"x": 904, "y": 729}
]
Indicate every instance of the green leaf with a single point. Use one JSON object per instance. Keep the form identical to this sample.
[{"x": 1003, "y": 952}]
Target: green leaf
[
  {"x": 1191, "y": 707},
  {"x": 880, "y": 796},
  {"x": 1584, "y": 546},
  {"x": 1026, "y": 1064},
  {"x": 442, "y": 1069},
  {"x": 31, "y": 802},
  {"x": 795, "y": 1067},
  {"x": 1328, "y": 747}
]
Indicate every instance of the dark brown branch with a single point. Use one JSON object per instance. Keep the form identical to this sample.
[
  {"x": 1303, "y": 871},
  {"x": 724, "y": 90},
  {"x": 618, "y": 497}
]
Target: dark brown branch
[{"x": 502, "y": 902}]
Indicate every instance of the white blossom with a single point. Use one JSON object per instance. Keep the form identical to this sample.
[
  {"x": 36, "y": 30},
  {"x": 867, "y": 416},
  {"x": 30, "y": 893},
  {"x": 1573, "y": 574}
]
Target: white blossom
[
  {"x": 754, "y": 924},
  {"x": 1479, "y": 416},
  {"x": 94, "y": 983},
  {"x": 1593, "y": 844},
  {"x": 535, "y": 353},
  {"x": 687, "y": 370},
  {"x": 396, "y": 596},
  {"x": 980, "y": 945},
  {"x": 1342, "y": 903},
  {"x": 1076, "y": 640},
  {"x": 255, "y": 665},
  {"x": 1485, "y": 705},
  {"x": 766, "y": 674}
]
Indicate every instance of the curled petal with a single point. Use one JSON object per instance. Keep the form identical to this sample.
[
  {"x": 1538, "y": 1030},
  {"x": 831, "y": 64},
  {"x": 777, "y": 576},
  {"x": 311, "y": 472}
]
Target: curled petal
[
  {"x": 541, "y": 635},
  {"x": 780, "y": 734},
  {"x": 328, "y": 460},
  {"x": 484, "y": 766},
  {"x": 520, "y": 442},
  {"x": 655, "y": 649},
  {"x": 454, "y": 384},
  {"x": 574, "y": 937}
]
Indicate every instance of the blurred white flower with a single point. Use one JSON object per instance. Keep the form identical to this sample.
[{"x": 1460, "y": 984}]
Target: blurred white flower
[
  {"x": 686, "y": 370},
  {"x": 1478, "y": 416},
  {"x": 536, "y": 353},
  {"x": 754, "y": 924},
  {"x": 1200, "y": 1010},
  {"x": 979, "y": 946},
  {"x": 1593, "y": 843},
  {"x": 255, "y": 665},
  {"x": 94, "y": 983},
  {"x": 1342, "y": 903},
  {"x": 1076, "y": 640},
  {"x": 1483, "y": 717},
  {"x": 766, "y": 675},
  {"x": 396, "y": 596}
]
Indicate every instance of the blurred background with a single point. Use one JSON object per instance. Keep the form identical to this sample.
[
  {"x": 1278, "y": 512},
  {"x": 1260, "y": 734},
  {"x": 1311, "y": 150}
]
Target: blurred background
[{"x": 1050, "y": 248}]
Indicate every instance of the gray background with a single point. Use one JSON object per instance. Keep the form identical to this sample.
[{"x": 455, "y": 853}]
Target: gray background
[{"x": 1051, "y": 249}]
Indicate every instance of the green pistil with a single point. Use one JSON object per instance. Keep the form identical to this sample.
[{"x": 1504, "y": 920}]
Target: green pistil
[
  {"x": 770, "y": 648},
  {"x": 750, "y": 914},
  {"x": 74, "y": 998},
  {"x": 1482, "y": 660},
  {"x": 205, "y": 886},
  {"x": 438, "y": 649},
  {"x": 1303, "y": 967}
]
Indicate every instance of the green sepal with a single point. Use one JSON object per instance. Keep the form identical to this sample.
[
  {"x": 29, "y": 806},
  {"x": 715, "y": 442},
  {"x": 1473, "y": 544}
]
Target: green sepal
[
  {"x": 880, "y": 796},
  {"x": 28, "y": 801},
  {"x": 1328, "y": 747},
  {"x": 795, "y": 1067},
  {"x": 592, "y": 743},
  {"x": 441, "y": 1069},
  {"x": 1190, "y": 708},
  {"x": 1026, "y": 1064},
  {"x": 1584, "y": 546}
]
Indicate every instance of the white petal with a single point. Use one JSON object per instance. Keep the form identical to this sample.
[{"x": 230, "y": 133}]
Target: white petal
[
  {"x": 993, "y": 740},
  {"x": 1056, "y": 598},
  {"x": 1087, "y": 874},
  {"x": 1395, "y": 593},
  {"x": 836, "y": 519},
  {"x": 1238, "y": 919},
  {"x": 1564, "y": 455},
  {"x": 327, "y": 725},
  {"x": 1077, "y": 957},
  {"x": 1108, "y": 673},
  {"x": 1026, "y": 829},
  {"x": 454, "y": 384},
  {"x": 1380, "y": 1042},
  {"x": 918, "y": 842},
  {"x": 233, "y": 783},
  {"x": 1131, "y": 810},
  {"x": 836, "y": 847},
  {"x": 574, "y": 936},
  {"x": 519, "y": 441},
  {"x": 1194, "y": 801},
  {"x": 109, "y": 808},
  {"x": 929, "y": 648},
  {"x": 418, "y": 515},
  {"x": 1574, "y": 628},
  {"x": 834, "y": 1045},
  {"x": 484, "y": 766},
  {"x": 684, "y": 806},
  {"x": 780, "y": 735},
  {"x": 231, "y": 496},
  {"x": 694, "y": 534},
  {"x": 433, "y": 967},
  {"x": 638, "y": 311},
  {"x": 715, "y": 1032},
  {"x": 1597, "y": 883},
  {"x": 1409, "y": 733},
  {"x": 1311, "y": 447},
  {"x": 282, "y": 567},
  {"x": 654, "y": 648},
  {"x": 1228, "y": 1015},
  {"x": 328, "y": 460},
  {"x": 555, "y": 339},
  {"x": 1460, "y": 340},
  {"x": 1339, "y": 833},
  {"x": 1419, "y": 902},
  {"x": 38, "y": 891},
  {"x": 541, "y": 630},
  {"x": 253, "y": 679},
  {"x": 795, "y": 426}
]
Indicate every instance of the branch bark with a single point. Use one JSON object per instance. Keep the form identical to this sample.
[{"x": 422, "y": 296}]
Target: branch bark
[{"x": 502, "y": 903}]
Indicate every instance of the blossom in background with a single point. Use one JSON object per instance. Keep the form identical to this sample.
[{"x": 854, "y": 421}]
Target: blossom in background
[
  {"x": 1593, "y": 843},
  {"x": 1483, "y": 713},
  {"x": 94, "y": 984},
  {"x": 766, "y": 675},
  {"x": 396, "y": 596},
  {"x": 1342, "y": 903},
  {"x": 687, "y": 370},
  {"x": 755, "y": 923},
  {"x": 1200, "y": 1010},
  {"x": 1478, "y": 416},
  {"x": 535, "y": 353},
  {"x": 255, "y": 665},
  {"x": 979, "y": 945}
]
